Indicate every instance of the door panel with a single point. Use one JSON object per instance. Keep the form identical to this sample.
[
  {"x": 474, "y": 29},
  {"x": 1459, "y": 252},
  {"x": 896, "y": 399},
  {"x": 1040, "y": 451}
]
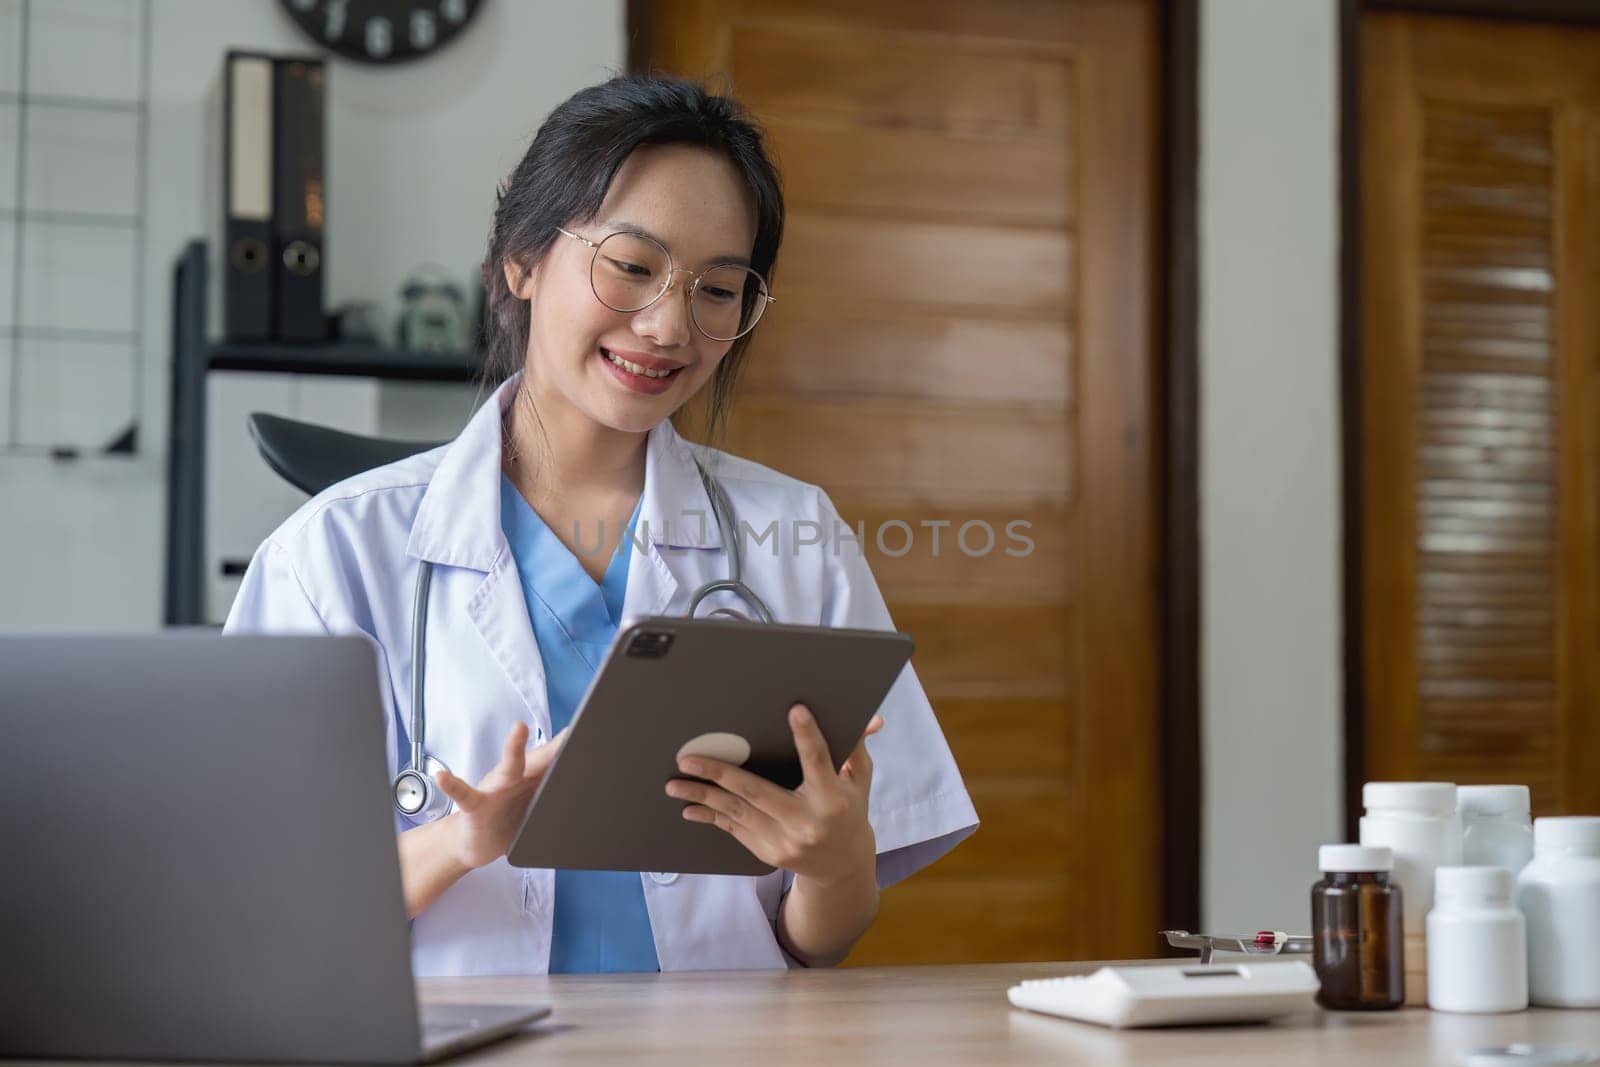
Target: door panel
[
  {"x": 937, "y": 265},
  {"x": 941, "y": 81},
  {"x": 872, "y": 171},
  {"x": 859, "y": 350},
  {"x": 1482, "y": 183},
  {"x": 963, "y": 336}
]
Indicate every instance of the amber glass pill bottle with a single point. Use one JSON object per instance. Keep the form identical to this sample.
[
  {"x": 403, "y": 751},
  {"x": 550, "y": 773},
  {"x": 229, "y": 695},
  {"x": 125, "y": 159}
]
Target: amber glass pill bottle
[{"x": 1357, "y": 930}]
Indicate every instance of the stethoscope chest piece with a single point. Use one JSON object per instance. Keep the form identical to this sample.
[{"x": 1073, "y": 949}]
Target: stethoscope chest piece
[{"x": 418, "y": 796}]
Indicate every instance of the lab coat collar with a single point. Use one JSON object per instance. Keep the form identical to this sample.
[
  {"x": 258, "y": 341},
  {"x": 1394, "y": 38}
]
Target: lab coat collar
[
  {"x": 676, "y": 511},
  {"x": 458, "y": 519}
]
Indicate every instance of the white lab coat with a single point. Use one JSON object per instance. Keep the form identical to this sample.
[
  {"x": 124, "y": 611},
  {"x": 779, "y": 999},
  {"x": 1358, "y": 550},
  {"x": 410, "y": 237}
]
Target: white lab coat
[{"x": 346, "y": 562}]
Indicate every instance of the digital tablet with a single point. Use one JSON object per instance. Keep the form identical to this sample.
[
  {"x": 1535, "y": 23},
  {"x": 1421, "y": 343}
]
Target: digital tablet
[{"x": 671, "y": 682}]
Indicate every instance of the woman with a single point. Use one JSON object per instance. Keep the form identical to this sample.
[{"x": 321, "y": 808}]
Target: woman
[{"x": 626, "y": 266}]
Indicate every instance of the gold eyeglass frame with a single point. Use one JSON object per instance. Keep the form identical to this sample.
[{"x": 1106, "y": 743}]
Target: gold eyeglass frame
[{"x": 672, "y": 269}]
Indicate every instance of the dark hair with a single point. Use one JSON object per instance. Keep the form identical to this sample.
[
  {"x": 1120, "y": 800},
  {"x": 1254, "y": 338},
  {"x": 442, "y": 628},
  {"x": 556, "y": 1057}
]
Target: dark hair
[{"x": 568, "y": 169}]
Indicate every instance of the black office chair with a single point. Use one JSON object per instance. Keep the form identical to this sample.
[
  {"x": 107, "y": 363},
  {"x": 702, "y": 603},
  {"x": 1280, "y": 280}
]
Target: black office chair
[{"x": 311, "y": 457}]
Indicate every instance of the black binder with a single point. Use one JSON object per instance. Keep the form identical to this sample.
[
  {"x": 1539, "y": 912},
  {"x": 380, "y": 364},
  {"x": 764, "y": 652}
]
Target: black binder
[
  {"x": 247, "y": 176},
  {"x": 299, "y": 107}
]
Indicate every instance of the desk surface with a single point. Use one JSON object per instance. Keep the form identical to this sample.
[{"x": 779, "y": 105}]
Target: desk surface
[{"x": 930, "y": 1015}]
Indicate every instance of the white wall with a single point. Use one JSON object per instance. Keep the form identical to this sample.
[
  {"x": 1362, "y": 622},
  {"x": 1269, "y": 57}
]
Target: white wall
[
  {"x": 414, "y": 156},
  {"x": 1270, "y": 526}
]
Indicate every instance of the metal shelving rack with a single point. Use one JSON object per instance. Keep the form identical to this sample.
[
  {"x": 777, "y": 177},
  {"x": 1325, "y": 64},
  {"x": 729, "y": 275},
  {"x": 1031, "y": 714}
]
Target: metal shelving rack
[
  {"x": 126, "y": 441},
  {"x": 193, "y": 357}
]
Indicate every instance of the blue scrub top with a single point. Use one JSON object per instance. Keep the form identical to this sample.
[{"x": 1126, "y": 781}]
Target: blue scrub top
[{"x": 601, "y": 923}]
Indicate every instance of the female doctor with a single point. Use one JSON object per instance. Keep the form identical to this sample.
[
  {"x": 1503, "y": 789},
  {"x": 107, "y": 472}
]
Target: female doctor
[{"x": 628, "y": 260}]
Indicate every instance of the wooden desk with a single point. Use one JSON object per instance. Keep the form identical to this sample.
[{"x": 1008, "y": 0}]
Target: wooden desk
[{"x": 937, "y": 1015}]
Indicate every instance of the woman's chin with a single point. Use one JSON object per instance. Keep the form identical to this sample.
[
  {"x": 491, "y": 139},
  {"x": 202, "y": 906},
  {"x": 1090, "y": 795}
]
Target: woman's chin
[
  {"x": 634, "y": 417},
  {"x": 634, "y": 412}
]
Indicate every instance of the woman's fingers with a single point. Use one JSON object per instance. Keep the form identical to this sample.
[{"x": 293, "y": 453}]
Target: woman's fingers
[
  {"x": 754, "y": 790},
  {"x": 810, "y": 744},
  {"x": 511, "y": 757},
  {"x": 858, "y": 768},
  {"x": 540, "y": 757},
  {"x": 715, "y": 799},
  {"x": 466, "y": 798},
  {"x": 738, "y": 831}
]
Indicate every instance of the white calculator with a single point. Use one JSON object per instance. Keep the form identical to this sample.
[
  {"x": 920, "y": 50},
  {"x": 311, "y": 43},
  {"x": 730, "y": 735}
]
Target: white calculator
[{"x": 1175, "y": 995}]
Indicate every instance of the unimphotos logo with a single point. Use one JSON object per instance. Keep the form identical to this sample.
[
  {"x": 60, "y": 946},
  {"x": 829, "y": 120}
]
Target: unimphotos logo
[{"x": 895, "y": 538}]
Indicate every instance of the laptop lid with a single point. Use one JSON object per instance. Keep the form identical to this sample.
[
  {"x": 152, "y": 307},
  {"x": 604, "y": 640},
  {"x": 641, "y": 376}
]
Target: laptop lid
[{"x": 201, "y": 850}]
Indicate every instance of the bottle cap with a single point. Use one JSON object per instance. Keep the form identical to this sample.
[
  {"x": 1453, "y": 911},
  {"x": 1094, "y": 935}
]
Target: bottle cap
[
  {"x": 1493, "y": 799},
  {"x": 1578, "y": 833},
  {"x": 1355, "y": 859},
  {"x": 1423, "y": 798},
  {"x": 1473, "y": 884}
]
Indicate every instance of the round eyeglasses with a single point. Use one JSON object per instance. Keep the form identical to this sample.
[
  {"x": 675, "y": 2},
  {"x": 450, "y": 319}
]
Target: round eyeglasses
[{"x": 630, "y": 271}]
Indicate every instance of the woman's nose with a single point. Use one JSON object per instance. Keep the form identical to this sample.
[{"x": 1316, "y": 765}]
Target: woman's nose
[{"x": 667, "y": 322}]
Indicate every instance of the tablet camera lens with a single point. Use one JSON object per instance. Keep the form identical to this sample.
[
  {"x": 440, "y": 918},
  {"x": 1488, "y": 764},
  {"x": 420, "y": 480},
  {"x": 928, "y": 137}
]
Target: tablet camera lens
[{"x": 650, "y": 644}]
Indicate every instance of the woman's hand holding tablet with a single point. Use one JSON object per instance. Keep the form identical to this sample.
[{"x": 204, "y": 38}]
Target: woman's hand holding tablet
[
  {"x": 767, "y": 711},
  {"x": 818, "y": 831}
]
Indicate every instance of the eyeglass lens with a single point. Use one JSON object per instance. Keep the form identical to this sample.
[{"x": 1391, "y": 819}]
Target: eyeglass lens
[{"x": 631, "y": 271}]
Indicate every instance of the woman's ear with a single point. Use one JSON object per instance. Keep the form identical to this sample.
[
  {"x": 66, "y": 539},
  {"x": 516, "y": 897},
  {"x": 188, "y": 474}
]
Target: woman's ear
[{"x": 518, "y": 279}]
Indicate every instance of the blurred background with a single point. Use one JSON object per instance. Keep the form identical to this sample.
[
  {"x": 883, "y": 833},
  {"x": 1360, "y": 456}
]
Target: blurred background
[{"x": 1278, "y": 320}]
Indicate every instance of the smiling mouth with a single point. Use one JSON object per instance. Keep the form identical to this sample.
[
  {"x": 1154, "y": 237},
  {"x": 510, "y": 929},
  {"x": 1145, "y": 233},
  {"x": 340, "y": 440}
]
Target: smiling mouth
[{"x": 634, "y": 368}]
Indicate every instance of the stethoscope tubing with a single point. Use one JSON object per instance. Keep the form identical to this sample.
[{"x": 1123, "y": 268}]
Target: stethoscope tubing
[{"x": 419, "y": 658}]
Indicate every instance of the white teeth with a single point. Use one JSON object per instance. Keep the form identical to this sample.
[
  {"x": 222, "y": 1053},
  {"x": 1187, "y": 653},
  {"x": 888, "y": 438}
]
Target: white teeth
[{"x": 634, "y": 368}]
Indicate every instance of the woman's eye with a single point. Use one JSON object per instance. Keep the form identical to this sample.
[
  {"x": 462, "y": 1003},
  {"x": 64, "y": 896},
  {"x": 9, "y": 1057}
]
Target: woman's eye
[
  {"x": 633, "y": 270},
  {"x": 720, "y": 294}
]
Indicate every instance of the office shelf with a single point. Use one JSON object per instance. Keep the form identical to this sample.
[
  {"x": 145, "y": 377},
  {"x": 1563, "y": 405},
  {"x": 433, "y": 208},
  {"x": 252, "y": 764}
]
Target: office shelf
[
  {"x": 193, "y": 357},
  {"x": 348, "y": 359}
]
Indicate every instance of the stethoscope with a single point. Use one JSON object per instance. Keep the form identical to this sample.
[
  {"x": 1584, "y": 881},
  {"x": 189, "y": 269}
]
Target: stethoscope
[{"x": 416, "y": 795}]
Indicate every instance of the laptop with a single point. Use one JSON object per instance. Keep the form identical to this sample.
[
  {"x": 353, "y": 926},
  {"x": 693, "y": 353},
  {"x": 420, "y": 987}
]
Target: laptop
[{"x": 201, "y": 861}]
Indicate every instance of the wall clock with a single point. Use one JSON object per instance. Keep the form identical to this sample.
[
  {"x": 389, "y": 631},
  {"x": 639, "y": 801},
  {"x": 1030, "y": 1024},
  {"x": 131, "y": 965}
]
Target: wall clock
[{"x": 382, "y": 31}]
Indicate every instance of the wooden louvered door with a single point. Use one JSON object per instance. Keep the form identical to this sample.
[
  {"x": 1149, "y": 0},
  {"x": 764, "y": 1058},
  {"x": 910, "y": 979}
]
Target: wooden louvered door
[
  {"x": 1481, "y": 291},
  {"x": 963, "y": 334}
]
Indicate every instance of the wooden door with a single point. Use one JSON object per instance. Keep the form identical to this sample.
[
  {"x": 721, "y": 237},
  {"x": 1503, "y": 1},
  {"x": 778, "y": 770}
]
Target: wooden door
[
  {"x": 963, "y": 335},
  {"x": 1481, "y": 290}
]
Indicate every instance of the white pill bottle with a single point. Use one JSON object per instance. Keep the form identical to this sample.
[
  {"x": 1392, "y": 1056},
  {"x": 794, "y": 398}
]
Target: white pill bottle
[
  {"x": 1477, "y": 943},
  {"x": 1496, "y": 826},
  {"x": 1419, "y": 821},
  {"x": 1559, "y": 894}
]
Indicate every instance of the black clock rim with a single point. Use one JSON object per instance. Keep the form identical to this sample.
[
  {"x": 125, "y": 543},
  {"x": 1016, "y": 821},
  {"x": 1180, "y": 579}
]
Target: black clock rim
[{"x": 394, "y": 59}]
